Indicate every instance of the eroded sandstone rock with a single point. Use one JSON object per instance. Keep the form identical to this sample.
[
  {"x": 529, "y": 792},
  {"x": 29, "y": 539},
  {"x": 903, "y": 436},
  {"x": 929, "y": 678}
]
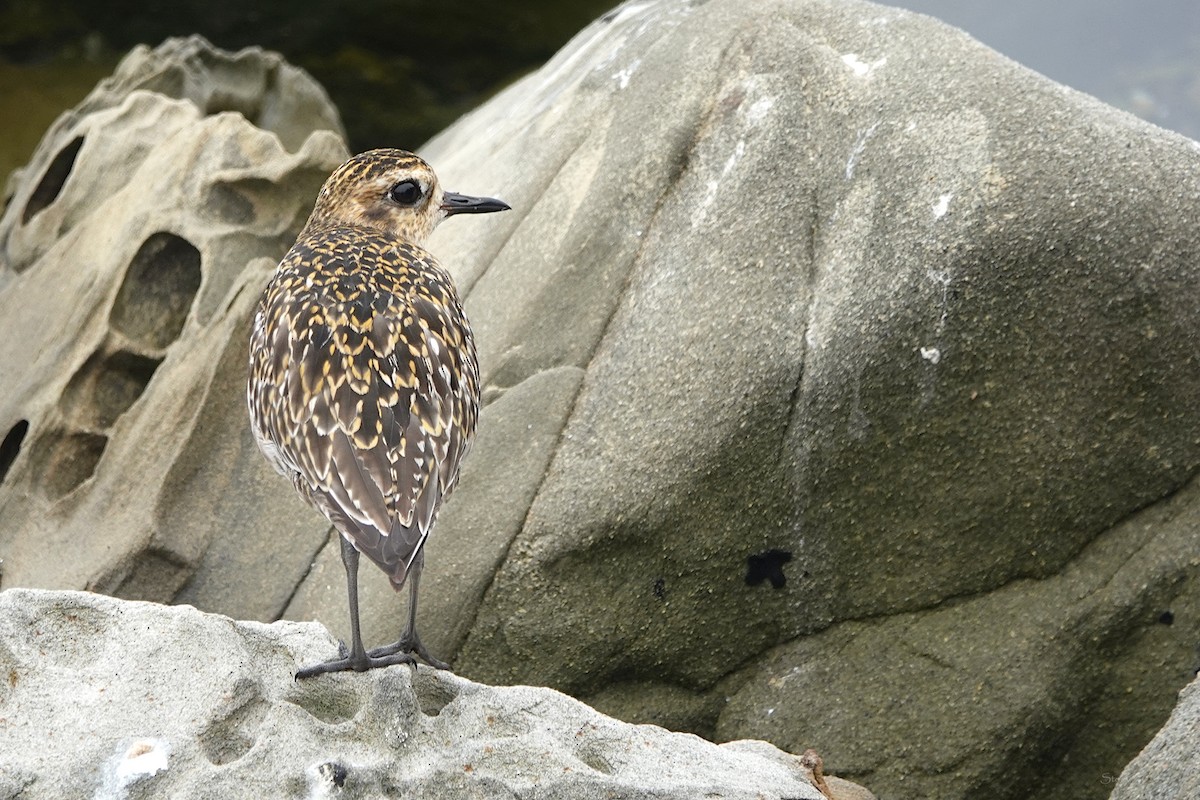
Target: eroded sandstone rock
[
  {"x": 106, "y": 698},
  {"x": 134, "y": 246}
]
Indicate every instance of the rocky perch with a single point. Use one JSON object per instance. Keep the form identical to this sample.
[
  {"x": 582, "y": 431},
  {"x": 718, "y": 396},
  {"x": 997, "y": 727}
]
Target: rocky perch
[
  {"x": 841, "y": 386},
  {"x": 110, "y": 699}
]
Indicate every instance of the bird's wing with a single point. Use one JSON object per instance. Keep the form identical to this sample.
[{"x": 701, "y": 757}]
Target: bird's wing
[{"x": 377, "y": 406}]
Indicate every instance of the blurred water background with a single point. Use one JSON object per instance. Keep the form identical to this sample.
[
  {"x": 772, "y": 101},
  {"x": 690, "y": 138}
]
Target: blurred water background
[{"x": 401, "y": 70}]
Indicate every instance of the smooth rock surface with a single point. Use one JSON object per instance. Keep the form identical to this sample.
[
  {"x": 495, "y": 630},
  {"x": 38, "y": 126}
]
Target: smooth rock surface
[
  {"x": 890, "y": 394},
  {"x": 1008, "y": 666},
  {"x": 751, "y": 312},
  {"x": 1169, "y": 767},
  {"x": 110, "y": 699}
]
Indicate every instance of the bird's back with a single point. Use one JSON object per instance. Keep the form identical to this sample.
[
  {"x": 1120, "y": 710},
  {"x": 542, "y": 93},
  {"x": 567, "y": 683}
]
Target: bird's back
[{"x": 364, "y": 385}]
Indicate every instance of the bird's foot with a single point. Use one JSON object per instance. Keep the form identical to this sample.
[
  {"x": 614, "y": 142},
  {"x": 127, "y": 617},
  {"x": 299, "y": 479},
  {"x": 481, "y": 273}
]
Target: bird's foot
[
  {"x": 409, "y": 645},
  {"x": 361, "y": 663}
]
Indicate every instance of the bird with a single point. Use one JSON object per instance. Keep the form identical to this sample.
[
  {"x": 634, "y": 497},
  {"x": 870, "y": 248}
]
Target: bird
[{"x": 363, "y": 383}]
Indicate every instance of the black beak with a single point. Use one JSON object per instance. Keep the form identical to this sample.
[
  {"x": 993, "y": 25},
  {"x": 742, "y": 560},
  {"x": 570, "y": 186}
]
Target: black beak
[{"x": 454, "y": 203}]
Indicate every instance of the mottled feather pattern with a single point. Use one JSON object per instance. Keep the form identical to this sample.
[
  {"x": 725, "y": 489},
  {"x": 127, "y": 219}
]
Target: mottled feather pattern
[
  {"x": 376, "y": 369},
  {"x": 364, "y": 385}
]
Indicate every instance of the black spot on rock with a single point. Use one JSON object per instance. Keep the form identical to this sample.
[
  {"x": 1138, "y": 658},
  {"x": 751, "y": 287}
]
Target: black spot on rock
[
  {"x": 1166, "y": 618},
  {"x": 767, "y": 566},
  {"x": 334, "y": 772},
  {"x": 660, "y": 588}
]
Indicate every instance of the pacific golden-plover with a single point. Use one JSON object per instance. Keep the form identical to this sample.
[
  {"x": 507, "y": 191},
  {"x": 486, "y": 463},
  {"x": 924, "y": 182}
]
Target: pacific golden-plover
[{"x": 364, "y": 384}]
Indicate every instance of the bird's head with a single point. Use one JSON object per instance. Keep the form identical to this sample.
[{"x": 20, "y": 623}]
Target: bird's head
[{"x": 392, "y": 191}]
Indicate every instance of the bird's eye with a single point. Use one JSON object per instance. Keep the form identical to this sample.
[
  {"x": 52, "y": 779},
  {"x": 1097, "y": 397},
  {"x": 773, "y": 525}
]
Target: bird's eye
[{"x": 406, "y": 193}]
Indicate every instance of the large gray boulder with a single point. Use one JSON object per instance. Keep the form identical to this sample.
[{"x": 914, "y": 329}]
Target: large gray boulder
[
  {"x": 887, "y": 395},
  {"x": 110, "y": 699},
  {"x": 840, "y": 388},
  {"x": 852, "y": 297}
]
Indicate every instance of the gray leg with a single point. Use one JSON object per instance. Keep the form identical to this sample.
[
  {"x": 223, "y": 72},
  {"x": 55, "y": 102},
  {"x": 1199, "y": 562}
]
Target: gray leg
[
  {"x": 358, "y": 659},
  {"x": 409, "y": 641}
]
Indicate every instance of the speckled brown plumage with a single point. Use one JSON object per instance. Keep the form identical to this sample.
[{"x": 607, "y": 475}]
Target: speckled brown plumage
[{"x": 364, "y": 384}]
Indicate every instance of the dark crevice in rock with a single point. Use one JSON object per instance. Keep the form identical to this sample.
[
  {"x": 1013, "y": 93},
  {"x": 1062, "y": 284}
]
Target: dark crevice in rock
[
  {"x": 596, "y": 754},
  {"x": 303, "y": 578},
  {"x": 794, "y": 402},
  {"x": 796, "y": 399},
  {"x": 53, "y": 180},
  {"x": 10, "y": 448},
  {"x": 273, "y": 87},
  {"x": 232, "y": 103},
  {"x": 465, "y": 288},
  {"x": 154, "y": 299},
  {"x": 67, "y": 460},
  {"x": 106, "y": 386},
  {"x": 156, "y": 575},
  {"x": 233, "y": 299}
]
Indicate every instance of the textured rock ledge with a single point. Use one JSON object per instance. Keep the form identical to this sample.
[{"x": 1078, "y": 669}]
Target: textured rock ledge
[{"x": 107, "y": 698}]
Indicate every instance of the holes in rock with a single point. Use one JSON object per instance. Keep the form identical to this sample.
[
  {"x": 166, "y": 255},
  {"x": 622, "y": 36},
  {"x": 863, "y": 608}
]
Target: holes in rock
[
  {"x": 337, "y": 702},
  {"x": 230, "y": 205},
  {"x": 593, "y": 754},
  {"x": 52, "y": 182},
  {"x": 67, "y": 460},
  {"x": 238, "y": 201},
  {"x": 11, "y": 446},
  {"x": 157, "y": 293},
  {"x": 433, "y": 695},
  {"x": 231, "y": 737},
  {"x": 106, "y": 386},
  {"x": 767, "y": 566}
]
